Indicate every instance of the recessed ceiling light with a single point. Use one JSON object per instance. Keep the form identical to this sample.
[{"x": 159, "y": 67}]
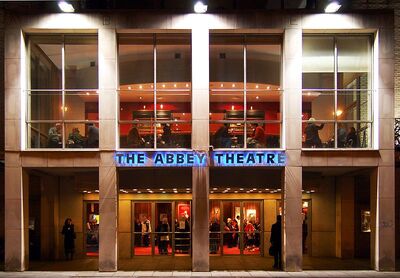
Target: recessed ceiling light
[
  {"x": 161, "y": 189},
  {"x": 257, "y": 97},
  {"x": 66, "y": 7},
  {"x": 174, "y": 85},
  {"x": 222, "y": 85},
  {"x": 163, "y": 192},
  {"x": 211, "y": 191},
  {"x": 187, "y": 85},
  {"x": 200, "y": 7},
  {"x": 332, "y": 7},
  {"x": 233, "y": 85},
  {"x": 256, "y": 86},
  {"x": 236, "y": 191},
  {"x": 163, "y": 85},
  {"x": 241, "y": 189},
  {"x": 139, "y": 192}
]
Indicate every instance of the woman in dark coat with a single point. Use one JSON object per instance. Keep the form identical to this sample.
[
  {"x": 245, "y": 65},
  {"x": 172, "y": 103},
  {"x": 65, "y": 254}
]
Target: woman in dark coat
[{"x": 69, "y": 239}]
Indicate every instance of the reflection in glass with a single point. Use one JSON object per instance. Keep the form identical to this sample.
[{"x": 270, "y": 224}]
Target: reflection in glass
[
  {"x": 318, "y": 62},
  {"x": 81, "y": 62},
  {"x": 354, "y": 62}
]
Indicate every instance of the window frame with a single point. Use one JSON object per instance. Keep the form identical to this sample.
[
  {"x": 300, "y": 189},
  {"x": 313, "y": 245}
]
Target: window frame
[
  {"x": 154, "y": 89},
  {"x": 336, "y": 91},
  {"x": 61, "y": 37},
  {"x": 269, "y": 39}
]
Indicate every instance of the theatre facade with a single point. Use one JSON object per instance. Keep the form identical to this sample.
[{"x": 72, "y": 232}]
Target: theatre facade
[{"x": 209, "y": 124}]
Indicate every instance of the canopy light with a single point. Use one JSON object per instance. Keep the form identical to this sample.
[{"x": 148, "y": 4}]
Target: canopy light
[
  {"x": 66, "y": 7},
  {"x": 200, "y": 7},
  {"x": 332, "y": 7}
]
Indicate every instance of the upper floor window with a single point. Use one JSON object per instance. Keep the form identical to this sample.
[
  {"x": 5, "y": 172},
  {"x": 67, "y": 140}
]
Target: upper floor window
[
  {"x": 155, "y": 91},
  {"x": 245, "y": 91},
  {"x": 62, "y": 108},
  {"x": 337, "y": 95}
]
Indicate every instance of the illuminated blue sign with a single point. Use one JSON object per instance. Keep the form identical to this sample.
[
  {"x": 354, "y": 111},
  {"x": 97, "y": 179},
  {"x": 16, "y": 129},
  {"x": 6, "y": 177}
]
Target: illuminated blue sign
[
  {"x": 249, "y": 158},
  {"x": 161, "y": 159}
]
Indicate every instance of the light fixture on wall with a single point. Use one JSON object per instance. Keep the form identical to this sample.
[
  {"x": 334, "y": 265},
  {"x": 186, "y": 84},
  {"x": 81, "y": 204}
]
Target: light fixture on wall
[
  {"x": 332, "y": 7},
  {"x": 66, "y": 7},
  {"x": 200, "y": 7}
]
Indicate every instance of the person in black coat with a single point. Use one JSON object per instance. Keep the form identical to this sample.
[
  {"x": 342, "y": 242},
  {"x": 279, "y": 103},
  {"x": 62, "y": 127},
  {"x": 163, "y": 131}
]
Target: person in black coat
[
  {"x": 352, "y": 138},
  {"x": 276, "y": 235},
  {"x": 312, "y": 136},
  {"x": 69, "y": 239}
]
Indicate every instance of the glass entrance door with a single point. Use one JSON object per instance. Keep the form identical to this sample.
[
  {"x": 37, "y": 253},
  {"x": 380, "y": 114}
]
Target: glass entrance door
[
  {"x": 236, "y": 227},
  {"x": 161, "y": 228}
]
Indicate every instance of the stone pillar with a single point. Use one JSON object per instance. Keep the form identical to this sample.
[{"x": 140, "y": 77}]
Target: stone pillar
[
  {"x": 108, "y": 188},
  {"x": 108, "y": 202},
  {"x": 382, "y": 179},
  {"x": 200, "y": 142},
  {"x": 292, "y": 182},
  {"x": 16, "y": 217}
]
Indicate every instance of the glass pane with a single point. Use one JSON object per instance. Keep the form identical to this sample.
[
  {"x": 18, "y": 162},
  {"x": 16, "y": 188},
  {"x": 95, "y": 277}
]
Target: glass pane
[
  {"x": 82, "y": 135},
  {"x": 318, "y": 134},
  {"x": 174, "y": 104},
  {"x": 163, "y": 231},
  {"x": 92, "y": 228},
  {"x": 136, "y": 61},
  {"x": 137, "y": 104},
  {"x": 51, "y": 100},
  {"x": 173, "y": 54},
  {"x": 81, "y": 62},
  {"x": 215, "y": 227},
  {"x": 226, "y": 59},
  {"x": 182, "y": 227},
  {"x": 81, "y": 105},
  {"x": 174, "y": 135},
  {"x": 252, "y": 227},
  {"x": 354, "y": 62},
  {"x": 227, "y": 135},
  {"x": 263, "y": 135},
  {"x": 354, "y": 105},
  {"x": 318, "y": 62},
  {"x": 45, "y": 62},
  {"x": 231, "y": 216},
  {"x": 136, "y": 135},
  {"x": 263, "y": 64},
  {"x": 143, "y": 229},
  {"x": 318, "y": 105},
  {"x": 354, "y": 135},
  {"x": 226, "y": 104},
  {"x": 44, "y": 135}
]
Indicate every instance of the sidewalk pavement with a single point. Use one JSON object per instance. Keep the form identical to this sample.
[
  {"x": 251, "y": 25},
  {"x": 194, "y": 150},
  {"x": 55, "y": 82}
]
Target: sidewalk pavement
[{"x": 330, "y": 274}]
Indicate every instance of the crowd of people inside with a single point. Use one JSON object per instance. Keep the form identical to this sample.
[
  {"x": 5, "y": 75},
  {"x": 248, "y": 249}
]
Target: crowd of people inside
[
  {"x": 345, "y": 139},
  {"x": 231, "y": 231},
  {"x": 75, "y": 138}
]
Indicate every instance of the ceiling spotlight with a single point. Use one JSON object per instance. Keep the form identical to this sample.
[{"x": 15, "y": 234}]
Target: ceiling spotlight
[
  {"x": 332, "y": 7},
  {"x": 66, "y": 7},
  {"x": 200, "y": 7}
]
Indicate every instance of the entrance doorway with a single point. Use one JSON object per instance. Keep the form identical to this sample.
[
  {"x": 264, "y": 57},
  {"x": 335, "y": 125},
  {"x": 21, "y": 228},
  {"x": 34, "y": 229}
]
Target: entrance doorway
[
  {"x": 236, "y": 227},
  {"x": 161, "y": 228}
]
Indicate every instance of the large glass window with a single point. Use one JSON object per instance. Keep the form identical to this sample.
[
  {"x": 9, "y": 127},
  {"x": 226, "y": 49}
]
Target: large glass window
[
  {"x": 155, "y": 91},
  {"x": 337, "y": 95},
  {"x": 62, "y": 109},
  {"x": 245, "y": 91}
]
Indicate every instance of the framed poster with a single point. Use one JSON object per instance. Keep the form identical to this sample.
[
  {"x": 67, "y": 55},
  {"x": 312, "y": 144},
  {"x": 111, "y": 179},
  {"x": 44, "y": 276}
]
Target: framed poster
[
  {"x": 365, "y": 221},
  {"x": 184, "y": 210}
]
